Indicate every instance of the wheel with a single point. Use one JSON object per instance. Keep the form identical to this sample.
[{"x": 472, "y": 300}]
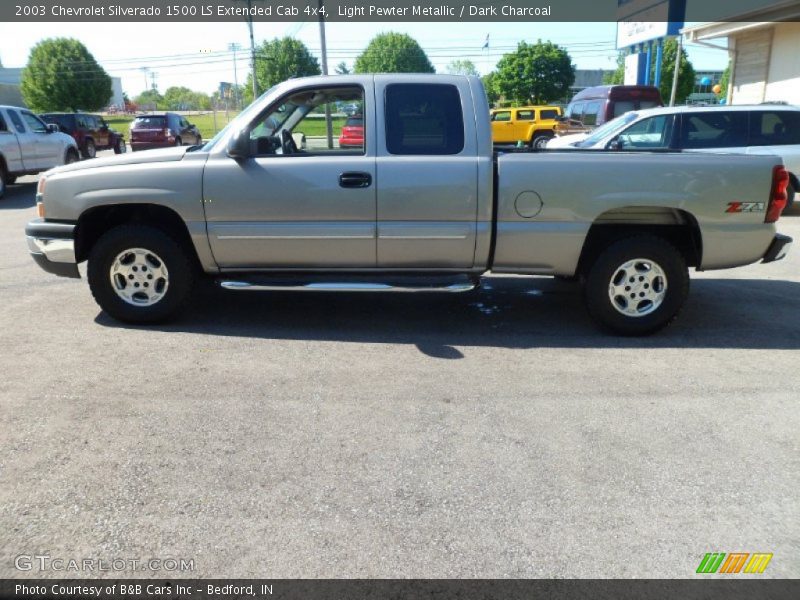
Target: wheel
[
  {"x": 71, "y": 156},
  {"x": 11, "y": 179},
  {"x": 199, "y": 140},
  {"x": 139, "y": 274},
  {"x": 89, "y": 149},
  {"x": 119, "y": 146},
  {"x": 637, "y": 286},
  {"x": 540, "y": 141},
  {"x": 790, "y": 192},
  {"x": 178, "y": 142},
  {"x": 3, "y": 180}
]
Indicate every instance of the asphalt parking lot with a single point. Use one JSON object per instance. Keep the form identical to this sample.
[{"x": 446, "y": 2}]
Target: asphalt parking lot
[{"x": 495, "y": 434}]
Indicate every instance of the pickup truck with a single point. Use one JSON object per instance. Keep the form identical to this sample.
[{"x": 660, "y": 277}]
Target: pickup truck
[
  {"x": 29, "y": 146},
  {"x": 423, "y": 205}
]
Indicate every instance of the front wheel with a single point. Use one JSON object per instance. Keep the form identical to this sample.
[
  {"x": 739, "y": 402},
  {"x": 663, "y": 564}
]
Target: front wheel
[
  {"x": 139, "y": 274},
  {"x": 178, "y": 142},
  {"x": 71, "y": 156},
  {"x": 3, "y": 181},
  {"x": 637, "y": 286}
]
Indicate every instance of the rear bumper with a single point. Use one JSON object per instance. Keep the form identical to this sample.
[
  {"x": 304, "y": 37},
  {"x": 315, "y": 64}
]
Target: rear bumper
[
  {"x": 151, "y": 145},
  {"x": 52, "y": 246},
  {"x": 778, "y": 248}
]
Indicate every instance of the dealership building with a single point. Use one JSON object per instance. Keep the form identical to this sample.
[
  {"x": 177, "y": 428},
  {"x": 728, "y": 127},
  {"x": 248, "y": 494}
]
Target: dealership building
[{"x": 10, "y": 93}]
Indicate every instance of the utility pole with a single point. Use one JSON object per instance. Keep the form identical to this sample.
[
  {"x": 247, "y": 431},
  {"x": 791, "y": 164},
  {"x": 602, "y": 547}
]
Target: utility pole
[
  {"x": 144, "y": 70},
  {"x": 252, "y": 48},
  {"x": 328, "y": 122},
  {"x": 237, "y": 100},
  {"x": 153, "y": 76},
  {"x": 677, "y": 71}
]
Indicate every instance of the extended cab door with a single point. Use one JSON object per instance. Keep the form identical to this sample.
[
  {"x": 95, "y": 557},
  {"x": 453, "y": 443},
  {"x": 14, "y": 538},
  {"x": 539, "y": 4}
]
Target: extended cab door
[
  {"x": 48, "y": 149},
  {"x": 27, "y": 141},
  {"x": 285, "y": 207},
  {"x": 502, "y": 127},
  {"x": 9, "y": 146},
  {"x": 427, "y": 169}
]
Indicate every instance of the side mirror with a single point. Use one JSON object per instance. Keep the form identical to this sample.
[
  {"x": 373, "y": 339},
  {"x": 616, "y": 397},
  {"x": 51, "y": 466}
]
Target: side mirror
[
  {"x": 239, "y": 145},
  {"x": 52, "y": 128}
]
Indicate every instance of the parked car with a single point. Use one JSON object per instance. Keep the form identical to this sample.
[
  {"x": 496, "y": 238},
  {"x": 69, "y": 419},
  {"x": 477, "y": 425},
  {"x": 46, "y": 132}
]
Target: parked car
[
  {"x": 425, "y": 206},
  {"x": 594, "y": 106},
  {"x": 28, "y": 145},
  {"x": 161, "y": 130},
  {"x": 532, "y": 125},
  {"x": 90, "y": 132},
  {"x": 742, "y": 129},
  {"x": 352, "y": 133}
]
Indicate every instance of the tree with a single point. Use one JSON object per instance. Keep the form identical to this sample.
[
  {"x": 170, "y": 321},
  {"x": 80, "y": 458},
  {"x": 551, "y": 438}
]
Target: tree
[
  {"x": 393, "y": 53},
  {"x": 342, "y": 69},
  {"x": 62, "y": 74},
  {"x": 279, "y": 60},
  {"x": 462, "y": 67},
  {"x": 540, "y": 72},
  {"x": 724, "y": 82},
  {"x": 150, "y": 100},
  {"x": 490, "y": 85},
  {"x": 182, "y": 98},
  {"x": 686, "y": 73},
  {"x": 617, "y": 76}
]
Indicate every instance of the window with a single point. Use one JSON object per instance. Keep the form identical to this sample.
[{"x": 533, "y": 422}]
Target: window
[
  {"x": 17, "y": 121},
  {"x": 424, "y": 119},
  {"x": 591, "y": 112},
  {"x": 548, "y": 113},
  {"x": 575, "y": 111},
  {"x": 298, "y": 125},
  {"x": 652, "y": 133},
  {"x": 3, "y": 126},
  {"x": 623, "y": 106},
  {"x": 525, "y": 115},
  {"x": 774, "y": 128},
  {"x": 34, "y": 123},
  {"x": 149, "y": 122},
  {"x": 715, "y": 129},
  {"x": 502, "y": 116}
]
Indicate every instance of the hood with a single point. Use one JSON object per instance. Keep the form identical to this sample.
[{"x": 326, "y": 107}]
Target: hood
[
  {"x": 566, "y": 141},
  {"x": 129, "y": 158}
]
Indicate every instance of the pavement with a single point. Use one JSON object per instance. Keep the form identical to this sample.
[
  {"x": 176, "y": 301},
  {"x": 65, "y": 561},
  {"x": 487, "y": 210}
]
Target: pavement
[{"x": 493, "y": 434}]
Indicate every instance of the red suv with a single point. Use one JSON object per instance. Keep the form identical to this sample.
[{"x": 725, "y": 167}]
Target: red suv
[
  {"x": 90, "y": 132},
  {"x": 162, "y": 130},
  {"x": 353, "y": 133}
]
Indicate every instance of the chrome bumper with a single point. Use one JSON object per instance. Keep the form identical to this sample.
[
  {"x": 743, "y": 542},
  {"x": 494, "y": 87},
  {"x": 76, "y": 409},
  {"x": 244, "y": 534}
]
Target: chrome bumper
[{"x": 53, "y": 254}]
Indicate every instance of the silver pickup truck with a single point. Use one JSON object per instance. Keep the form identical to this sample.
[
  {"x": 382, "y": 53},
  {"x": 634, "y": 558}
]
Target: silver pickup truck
[
  {"x": 408, "y": 197},
  {"x": 29, "y": 146}
]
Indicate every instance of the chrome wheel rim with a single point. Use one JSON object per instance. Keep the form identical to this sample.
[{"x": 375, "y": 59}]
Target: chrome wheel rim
[
  {"x": 139, "y": 277},
  {"x": 637, "y": 287}
]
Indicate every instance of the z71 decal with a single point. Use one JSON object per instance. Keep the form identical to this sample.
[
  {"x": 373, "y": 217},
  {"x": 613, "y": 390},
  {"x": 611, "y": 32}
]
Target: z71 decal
[{"x": 738, "y": 207}]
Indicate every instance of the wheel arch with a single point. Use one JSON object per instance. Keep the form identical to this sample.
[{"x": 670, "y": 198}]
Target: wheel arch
[
  {"x": 94, "y": 222},
  {"x": 677, "y": 226}
]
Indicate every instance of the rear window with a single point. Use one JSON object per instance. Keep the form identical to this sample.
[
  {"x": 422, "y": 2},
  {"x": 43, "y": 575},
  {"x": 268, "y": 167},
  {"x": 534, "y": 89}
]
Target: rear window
[
  {"x": 548, "y": 114},
  {"x": 525, "y": 115},
  {"x": 354, "y": 122},
  {"x": 714, "y": 129},
  {"x": 65, "y": 122},
  {"x": 148, "y": 122},
  {"x": 424, "y": 119}
]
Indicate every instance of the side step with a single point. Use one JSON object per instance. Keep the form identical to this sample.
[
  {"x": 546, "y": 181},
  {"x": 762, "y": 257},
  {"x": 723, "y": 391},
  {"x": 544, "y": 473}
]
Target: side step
[{"x": 426, "y": 284}]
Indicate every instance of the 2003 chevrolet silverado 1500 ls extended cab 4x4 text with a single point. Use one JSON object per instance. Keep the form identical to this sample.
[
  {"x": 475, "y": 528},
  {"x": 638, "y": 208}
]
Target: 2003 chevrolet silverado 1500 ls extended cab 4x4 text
[{"x": 424, "y": 204}]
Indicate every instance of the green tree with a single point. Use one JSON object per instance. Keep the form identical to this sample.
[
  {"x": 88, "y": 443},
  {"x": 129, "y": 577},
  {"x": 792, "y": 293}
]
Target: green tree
[
  {"x": 342, "y": 69},
  {"x": 150, "y": 99},
  {"x": 724, "y": 82},
  {"x": 490, "y": 85},
  {"x": 462, "y": 67},
  {"x": 617, "y": 76},
  {"x": 278, "y": 60},
  {"x": 393, "y": 53},
  {"x": 540, "y": 72},
  {"x": 686, "y": 74},
  {"x": 182, "y": 98},
  {"x": 62, "y": 74}
]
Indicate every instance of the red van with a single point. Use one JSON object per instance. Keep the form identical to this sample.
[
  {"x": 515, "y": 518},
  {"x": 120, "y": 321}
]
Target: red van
[{"x": 596, "y": 105}]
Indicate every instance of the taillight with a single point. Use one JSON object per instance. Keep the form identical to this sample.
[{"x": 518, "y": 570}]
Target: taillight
[{"x": 777, "y": 196}]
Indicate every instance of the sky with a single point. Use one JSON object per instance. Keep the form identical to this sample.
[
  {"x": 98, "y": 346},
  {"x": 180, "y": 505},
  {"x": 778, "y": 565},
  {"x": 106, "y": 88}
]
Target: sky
[{"x": 195, "y": 55}]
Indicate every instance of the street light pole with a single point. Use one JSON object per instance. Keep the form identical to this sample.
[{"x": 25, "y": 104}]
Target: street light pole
[
  {"x": 235, "y": 47},
  {"x": 252, "y": 47}
]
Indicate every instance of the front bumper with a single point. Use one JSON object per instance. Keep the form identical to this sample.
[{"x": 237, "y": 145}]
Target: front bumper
[
  {"x": 52, "y": 246},
  {"x": 778, "y": 248}
]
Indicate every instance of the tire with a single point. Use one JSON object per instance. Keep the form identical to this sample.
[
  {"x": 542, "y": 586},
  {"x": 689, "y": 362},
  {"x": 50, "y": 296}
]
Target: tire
[
  {"x": 790, "y": 193},
  {"x": 71, "y": 156},
  {"x": 146, "y": 257},
  {"x": 11, "y": 179},
  {"x": 661, "y": 285},
  {"x": 540, "y": 140},
  {"x": 178, "y": 142},
  {"x": 89, "y": 149},
  {"x": 119, "y": 146},
  {"x": 3, "y": 180}
]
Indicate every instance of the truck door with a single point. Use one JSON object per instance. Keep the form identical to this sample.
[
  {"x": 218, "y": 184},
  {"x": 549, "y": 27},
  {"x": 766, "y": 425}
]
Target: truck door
[
  {"x": 427, "y": 168},
  {"x": 27, "y": 142},
  {"x": 287, "y": 207},
  {"x": 502, "y": 127},
  {"x": 9, "y": 146},
  {"x": 48, "y": 149}
]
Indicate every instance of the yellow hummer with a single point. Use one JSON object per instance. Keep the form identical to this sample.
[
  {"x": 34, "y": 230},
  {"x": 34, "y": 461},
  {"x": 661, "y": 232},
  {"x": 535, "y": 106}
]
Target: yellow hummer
[{"x": 531, "y": 125}]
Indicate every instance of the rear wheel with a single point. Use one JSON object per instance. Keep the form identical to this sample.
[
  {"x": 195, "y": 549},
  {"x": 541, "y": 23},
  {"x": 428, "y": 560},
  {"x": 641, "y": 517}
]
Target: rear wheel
[
  {"x": 540, "y": 140},
  {"x": 139, "y": 274},
  {"x": 637, "y": 286},
  {"x": 3, "y": 180},
  {"x": 790, "y": 193},
  {"x": 89, "y": 149},
  {"x": 11, "y": 179},
  {"x": 119, "y": 146},
  {"x": 178, "y": 142}
]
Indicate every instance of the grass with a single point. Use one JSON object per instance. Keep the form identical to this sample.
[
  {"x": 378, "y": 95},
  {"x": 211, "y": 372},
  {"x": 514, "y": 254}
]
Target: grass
[{"x": 205, "y": 122}]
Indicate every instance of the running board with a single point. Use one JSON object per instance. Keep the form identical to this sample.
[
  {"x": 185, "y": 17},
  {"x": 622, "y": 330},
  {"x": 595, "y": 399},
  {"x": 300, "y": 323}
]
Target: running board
[{"x": 333, "y": 286}]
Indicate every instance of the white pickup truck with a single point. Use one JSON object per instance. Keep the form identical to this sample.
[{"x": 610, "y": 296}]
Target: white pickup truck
[
  {"x": 423, "y": 204},
  {"x": 29, "y": 146}
]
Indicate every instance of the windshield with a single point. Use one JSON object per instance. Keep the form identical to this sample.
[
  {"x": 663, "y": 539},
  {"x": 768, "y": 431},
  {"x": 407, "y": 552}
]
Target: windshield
[
  {"x": 607, "y": 129},
  {"x": 243, "y": 117}
]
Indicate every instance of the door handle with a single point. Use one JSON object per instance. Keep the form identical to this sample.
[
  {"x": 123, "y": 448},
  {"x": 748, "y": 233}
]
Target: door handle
[{"x": 355, "y": 179}]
